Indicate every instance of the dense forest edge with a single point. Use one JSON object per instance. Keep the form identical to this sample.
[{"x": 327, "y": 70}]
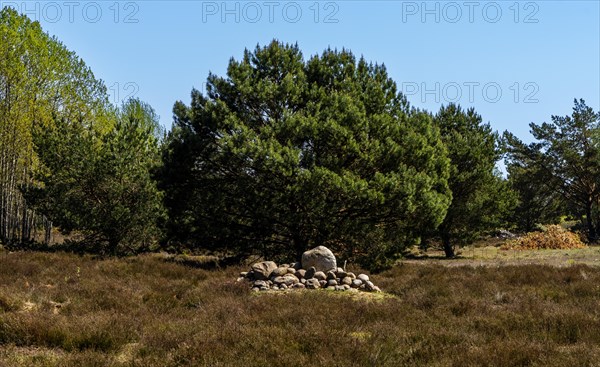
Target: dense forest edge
[{"x": 281, "y": 154}]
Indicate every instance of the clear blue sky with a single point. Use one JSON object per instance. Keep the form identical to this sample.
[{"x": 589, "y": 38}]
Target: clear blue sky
[{"x": 545, "y": 53}]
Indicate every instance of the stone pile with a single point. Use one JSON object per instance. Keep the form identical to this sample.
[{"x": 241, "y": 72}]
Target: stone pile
[{"x": 318, "y": 269}]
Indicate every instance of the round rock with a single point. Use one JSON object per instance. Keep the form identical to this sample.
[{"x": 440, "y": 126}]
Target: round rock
[
  {"x": 320, "y": 275},
  {"x": 300, "y": 273},
  {"x": 263, "y": 270},
  {"x": 310, "y": 272},
  {"x": 280, "y": 271},
  {"x": 321, "y": 258},
  {"x": 356, "y": 283},
  {"x": 313, "y": 284}
]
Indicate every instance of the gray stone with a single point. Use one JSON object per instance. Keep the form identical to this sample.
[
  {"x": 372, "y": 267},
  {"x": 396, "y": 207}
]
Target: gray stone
[
  {"x": 303, "y": 281},
  {"x": 283, "y": 286},
  {"x": 332, "y": 282},
  {"x": 263, "y": 270},
  {"x": 300, "y": 273},
  {"x": 339, "y": 288},
  {"x": 363, "y": 277},
  {"x": 369, "y": 286},
  {"x": 320, "y": 257},
  {"x": 356, "y": 283},
  {"x": 310, "y": 273},
  {"x": 296, "y": 266},
  {"x": 347, "y": 281},
  {"x": 330, "y": 275},
  {"x": 299, "y": 286},
  {"x": 346, "y": 287},
  {"x": 351, "y": 275},
  {"x": 341, "y": 273},
  {"x": 260, "y": 283},
  {"x": 291, "y": 271},
  {"x": 313, "y": 284},
  {"x": 288, "y": 280},
  {"x": 323, "y": 283},
  {"x": 280, "y": 271},
  {"x": 320, "y": 275}
]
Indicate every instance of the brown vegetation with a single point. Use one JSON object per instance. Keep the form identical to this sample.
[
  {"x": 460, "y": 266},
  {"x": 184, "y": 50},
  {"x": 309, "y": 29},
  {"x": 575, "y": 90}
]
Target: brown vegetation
[
  {"x": 553, "y": 237},
  {"x": 65, "y": 310}
]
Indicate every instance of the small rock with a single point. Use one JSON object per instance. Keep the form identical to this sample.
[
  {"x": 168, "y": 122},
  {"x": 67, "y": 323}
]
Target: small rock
[
  {"x": 346, "y": 287},
  {"x": 347, "y": 281},
  {"x": 323, "y": 283},
  {"x": 255, "y": 289},
  {"x": 330, "y": 288},
  {"x": 332, "y": 282},
  {"x": 299, "y": 286},
  {"x": 284, "y": 266},
  {"x": 320, "y": 275},
  {"x": 313, "y": 284},
  {"x": 300, "y": 273},
  {"x": 310, "y": 273},
  {"x": 330, "y": 275},
  {"x": 339, "y": 288},
  {"x": 288, "y": 280},
  {"x": 283, "y": 286},
  {"x": 263, "y": 270},
  {"x": 280, "y": 271},
  {"x": 320, "y": 257},
  {"x": 291, "y": 271},
  {"x": 363, "y": 277},
  {"x": 260, "y": 283},
  {"x": 303, "y": 281},
  {"x": 244, "y": 274},
  {"x": 240, "y": 279},
  {"x": 356, "y": 283},
  {"x": 369, "y": 286},
  {"x": 351, "y": 275},
  {"x": 341, "y": 273},
  {"x": 376, "y": 289},
  {"x": 296, "y": 266}
]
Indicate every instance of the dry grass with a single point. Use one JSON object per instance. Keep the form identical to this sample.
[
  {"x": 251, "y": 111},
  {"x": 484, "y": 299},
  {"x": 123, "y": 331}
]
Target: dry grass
[
  {"x": 65, "y": 310},
  {"x": 553, "y": 237}
]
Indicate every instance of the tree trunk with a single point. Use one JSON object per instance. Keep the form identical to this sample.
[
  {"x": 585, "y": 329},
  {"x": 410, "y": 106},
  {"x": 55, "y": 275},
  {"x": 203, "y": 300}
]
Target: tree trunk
[
  {"x": 590, "y": 222},
  {"x": 448, "y": 248}
]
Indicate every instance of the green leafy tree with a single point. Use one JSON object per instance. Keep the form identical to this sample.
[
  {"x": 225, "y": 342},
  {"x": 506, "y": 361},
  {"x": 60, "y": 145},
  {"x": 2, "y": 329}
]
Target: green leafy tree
[
  {"x": 40, "y": 81},
  {"x": 284, "y": 154},
  {"x": 480, "y": 197},
  {"x": 101, "y": 185},
  {"x": 566, "y": 156}
]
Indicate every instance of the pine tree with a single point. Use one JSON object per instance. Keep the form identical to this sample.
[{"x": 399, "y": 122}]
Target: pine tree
[
  {"x": 284, "y": 154},
  {"x": 480, "y": 197}
]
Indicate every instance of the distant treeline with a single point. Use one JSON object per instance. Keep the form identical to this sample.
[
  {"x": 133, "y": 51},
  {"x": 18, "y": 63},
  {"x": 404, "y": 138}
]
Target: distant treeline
[{"x": 281, "y": 154}]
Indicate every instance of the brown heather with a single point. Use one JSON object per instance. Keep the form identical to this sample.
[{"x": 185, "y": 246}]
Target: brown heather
[{"x": 65, "y": 310}]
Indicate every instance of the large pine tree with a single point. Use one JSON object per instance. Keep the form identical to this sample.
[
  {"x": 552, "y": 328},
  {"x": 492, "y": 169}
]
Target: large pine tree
[{"x": 284, "y": 154}]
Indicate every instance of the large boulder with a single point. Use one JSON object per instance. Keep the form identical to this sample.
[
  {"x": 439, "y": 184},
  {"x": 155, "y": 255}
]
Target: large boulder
[
  {"x": 321, "y": 258},
  {"x": 263, "y": 270}
]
